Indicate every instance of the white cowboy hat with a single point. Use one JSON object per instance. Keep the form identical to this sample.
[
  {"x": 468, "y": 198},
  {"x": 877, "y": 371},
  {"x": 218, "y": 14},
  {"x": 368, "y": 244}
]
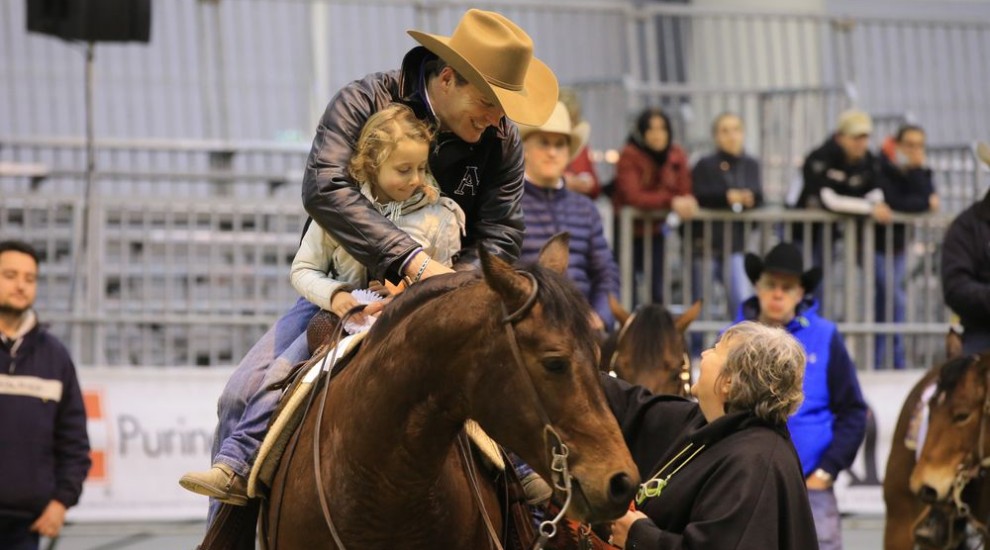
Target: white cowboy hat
[
  {"x": 560, "y": 123},
  {"x": 495, "y": 55}
]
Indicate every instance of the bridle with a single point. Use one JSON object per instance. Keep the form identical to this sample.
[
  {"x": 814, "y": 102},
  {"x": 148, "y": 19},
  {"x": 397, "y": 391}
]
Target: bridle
[
  {"x": 556, "y": 449},
  {"x": 683, "y": 375}
]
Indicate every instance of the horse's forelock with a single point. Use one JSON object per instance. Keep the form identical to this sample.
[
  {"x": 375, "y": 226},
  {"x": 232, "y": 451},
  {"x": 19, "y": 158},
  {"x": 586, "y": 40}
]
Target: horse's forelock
[
  {"x": 953, "y": 371},
  {"x": 565, "y": 307}
]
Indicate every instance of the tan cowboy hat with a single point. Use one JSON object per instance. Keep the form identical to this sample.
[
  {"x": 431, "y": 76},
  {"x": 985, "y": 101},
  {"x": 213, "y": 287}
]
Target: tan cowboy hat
[
  {"x": 496, "y": 56},
  {"x": 560, "y": 123}
]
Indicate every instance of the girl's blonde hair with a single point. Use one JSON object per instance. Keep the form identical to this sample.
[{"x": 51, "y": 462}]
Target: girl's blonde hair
[{"x": 378, "y": 139}]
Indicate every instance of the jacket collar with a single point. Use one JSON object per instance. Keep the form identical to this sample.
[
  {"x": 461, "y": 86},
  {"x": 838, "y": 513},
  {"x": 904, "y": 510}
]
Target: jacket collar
[{"x": 983, "y": 207}]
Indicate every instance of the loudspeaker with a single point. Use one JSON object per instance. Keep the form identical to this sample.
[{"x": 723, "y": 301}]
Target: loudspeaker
[{"x": 91, "y": 20}]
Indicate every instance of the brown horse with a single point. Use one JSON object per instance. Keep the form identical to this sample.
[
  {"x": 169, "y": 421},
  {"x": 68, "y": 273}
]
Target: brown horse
[
  {"x": 903, "y": 507},
  {"x": 443, "y": 352},
  {"x": 649, "y": 349}
]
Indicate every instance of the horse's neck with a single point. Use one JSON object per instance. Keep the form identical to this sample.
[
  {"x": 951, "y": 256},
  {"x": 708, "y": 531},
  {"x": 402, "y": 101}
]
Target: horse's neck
[{"x": 406, "y": 402}]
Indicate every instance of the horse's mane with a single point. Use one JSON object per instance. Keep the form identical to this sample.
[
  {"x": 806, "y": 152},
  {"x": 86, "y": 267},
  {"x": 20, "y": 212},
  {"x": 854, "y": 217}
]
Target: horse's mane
[
  {"x": 563, "y": 306},
  {"x": 417, "y": 295},
  {"x": 952, "y": 372}
]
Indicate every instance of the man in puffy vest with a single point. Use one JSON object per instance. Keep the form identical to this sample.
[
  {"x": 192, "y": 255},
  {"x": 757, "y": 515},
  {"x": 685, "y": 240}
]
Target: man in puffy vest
[
  {"x": 44, "y": 449},
  {"x": 830, "y": 425}
]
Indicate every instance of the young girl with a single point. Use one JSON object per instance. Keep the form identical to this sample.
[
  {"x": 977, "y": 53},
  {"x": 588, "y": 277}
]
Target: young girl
[
  {"x": 391, "y": 162},
  {"x": 390, "y": 165}
]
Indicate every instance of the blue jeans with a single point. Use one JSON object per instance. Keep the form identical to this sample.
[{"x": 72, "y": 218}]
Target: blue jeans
[
  {"x": 15, "y": 534},
  {"x": 897, "y": 277},
  {"x": 245, "y": 406},
  {"x": 828, "y": 523}
]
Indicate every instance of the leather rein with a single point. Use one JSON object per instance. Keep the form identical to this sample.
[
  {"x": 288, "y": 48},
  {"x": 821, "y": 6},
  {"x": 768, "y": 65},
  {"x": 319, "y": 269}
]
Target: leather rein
[{"x": 556, "y": 449}]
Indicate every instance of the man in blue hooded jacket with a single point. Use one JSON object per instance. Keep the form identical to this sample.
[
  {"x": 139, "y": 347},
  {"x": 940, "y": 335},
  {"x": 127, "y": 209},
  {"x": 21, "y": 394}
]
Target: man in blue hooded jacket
[{"x": 830, "y": 425}]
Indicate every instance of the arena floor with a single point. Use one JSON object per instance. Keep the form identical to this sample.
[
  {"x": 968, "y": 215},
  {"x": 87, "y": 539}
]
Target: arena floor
[{"x": 859, "y": 533}]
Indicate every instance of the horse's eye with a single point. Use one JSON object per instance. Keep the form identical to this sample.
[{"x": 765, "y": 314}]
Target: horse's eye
[
  {"x": 960, "y": 417},
  {"x": 556, "y": 364}
]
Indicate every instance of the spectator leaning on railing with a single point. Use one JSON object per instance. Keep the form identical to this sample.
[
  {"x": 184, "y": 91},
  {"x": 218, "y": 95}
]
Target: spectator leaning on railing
[
  {"x": 842, "y": 176},
  {"x": 652, "y": 174},
  {"x": 729, "y": 180},
  {"x": 907, "y": 187}
]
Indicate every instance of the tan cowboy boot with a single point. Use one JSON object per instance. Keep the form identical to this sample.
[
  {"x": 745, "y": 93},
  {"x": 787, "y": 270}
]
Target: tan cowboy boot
[{"x": 219, "y": 482}]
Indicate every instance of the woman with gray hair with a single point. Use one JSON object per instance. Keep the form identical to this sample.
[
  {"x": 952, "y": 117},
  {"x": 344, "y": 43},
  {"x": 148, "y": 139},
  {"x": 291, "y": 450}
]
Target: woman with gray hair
[{"x": 722, "y": 472}]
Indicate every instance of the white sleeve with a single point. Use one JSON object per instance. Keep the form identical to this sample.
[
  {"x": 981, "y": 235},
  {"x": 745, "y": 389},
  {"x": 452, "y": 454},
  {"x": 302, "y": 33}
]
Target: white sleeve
[
  {"x": 311, "y": 266},
  {"x": 845, "y": 204}
]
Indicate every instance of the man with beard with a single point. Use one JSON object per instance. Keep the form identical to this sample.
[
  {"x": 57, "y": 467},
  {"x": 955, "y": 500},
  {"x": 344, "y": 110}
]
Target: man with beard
[{"x": 44, "y": 449}]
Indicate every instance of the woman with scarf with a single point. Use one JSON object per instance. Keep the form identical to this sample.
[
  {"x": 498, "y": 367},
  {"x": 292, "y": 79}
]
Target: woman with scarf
[{"x": 653, "y": 174}]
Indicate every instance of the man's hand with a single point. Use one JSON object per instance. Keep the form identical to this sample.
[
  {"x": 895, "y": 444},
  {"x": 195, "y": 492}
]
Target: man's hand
[
  {"x": 49, "y": 524},
  {"x": 744, "y": 197},
  {"x": 882, "y": 213},
  {"x": 933, "y": 202},
  {"x": 432, "y": 268},
  {"x": 815, "y": 483}
]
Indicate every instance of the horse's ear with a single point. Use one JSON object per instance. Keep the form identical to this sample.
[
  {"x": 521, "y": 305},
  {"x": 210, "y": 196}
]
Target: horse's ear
[
  {"x": 619, "y": 312},
  {"x": 953, "y": 344},
  {"x": 684, "y": 321},
  {"x": 502, "y": 277},
  {"x": 556, "y": 253}
]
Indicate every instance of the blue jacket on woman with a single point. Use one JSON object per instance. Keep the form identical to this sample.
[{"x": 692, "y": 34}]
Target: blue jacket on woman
[
  {"x": 592, "y": 268},
  {"x": 830, "y": 425}
]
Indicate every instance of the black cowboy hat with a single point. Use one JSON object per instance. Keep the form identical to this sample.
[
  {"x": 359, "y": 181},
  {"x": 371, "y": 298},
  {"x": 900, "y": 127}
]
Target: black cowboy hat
[{"x": 783, "y": 258}]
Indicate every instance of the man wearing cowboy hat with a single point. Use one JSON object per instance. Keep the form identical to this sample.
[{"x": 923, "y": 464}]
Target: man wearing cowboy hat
[
  {"x": 830, "y": 425},
  {"x": 549, "y": 208},
  {"x": 469, "y": 86}
]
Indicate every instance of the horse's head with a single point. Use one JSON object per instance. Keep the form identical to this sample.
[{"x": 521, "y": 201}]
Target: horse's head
[
  {"x": 649, "y": 349},
  {"x": 545, "y": 353},
  {"x": 955, "y": 443}
]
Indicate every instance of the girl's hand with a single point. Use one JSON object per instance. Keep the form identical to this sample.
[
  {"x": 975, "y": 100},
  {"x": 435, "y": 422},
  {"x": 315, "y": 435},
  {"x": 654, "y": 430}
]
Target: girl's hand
[{"x": 342, "y": 302}]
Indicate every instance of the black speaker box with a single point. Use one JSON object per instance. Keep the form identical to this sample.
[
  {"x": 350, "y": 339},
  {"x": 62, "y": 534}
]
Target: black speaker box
[{"x": 91, "y": 20}]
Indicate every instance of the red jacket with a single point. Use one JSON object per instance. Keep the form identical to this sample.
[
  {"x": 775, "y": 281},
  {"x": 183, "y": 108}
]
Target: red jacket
[
  {"x": 639, "y": 182},
  {"x": 581, "y": 164}
]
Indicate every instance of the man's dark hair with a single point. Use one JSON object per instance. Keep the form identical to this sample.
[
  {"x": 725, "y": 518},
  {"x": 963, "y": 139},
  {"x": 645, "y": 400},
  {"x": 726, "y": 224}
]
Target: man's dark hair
[
  {"x": 19, "y": 246},
  {"x": 904, "y": 129},
  {"x": 434, "y": 66}
]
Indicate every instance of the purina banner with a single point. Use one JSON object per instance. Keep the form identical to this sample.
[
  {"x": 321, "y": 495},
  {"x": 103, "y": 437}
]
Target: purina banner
[{"x": 149, "y": 426}]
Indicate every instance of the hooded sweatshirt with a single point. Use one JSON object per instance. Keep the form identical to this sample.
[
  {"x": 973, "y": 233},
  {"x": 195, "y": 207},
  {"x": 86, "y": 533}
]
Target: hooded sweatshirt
[{"x": 44, "y": 449}]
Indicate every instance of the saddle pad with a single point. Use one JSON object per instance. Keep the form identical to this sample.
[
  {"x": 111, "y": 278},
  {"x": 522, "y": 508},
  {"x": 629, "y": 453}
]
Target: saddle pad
[{"x": 281, "y": 430}]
